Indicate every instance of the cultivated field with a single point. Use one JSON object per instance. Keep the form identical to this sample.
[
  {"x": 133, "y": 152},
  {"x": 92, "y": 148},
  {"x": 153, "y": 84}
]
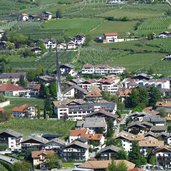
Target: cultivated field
[{"x": 28, "y": 126}]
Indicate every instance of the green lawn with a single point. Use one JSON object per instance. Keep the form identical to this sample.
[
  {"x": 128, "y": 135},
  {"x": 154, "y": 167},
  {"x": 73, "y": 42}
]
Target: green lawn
[
  {"x": 33, "y": 126},
  {"x": 20, "y": 101}
]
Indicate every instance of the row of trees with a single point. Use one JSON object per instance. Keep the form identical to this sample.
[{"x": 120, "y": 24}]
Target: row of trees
[{"x": 141, "y": 97}]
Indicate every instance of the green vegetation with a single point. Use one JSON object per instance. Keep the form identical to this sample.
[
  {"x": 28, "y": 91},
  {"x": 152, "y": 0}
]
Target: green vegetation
[
  {"x": 28, "y": 127},
  {"x": 20, "y": 101}
]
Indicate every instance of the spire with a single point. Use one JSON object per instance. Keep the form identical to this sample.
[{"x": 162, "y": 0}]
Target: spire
[{"x": 58, "y": 76}]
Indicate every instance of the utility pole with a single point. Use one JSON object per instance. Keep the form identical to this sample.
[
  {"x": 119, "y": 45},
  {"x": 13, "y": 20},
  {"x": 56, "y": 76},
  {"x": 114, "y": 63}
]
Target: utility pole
[{"x": 58, "y": 75}]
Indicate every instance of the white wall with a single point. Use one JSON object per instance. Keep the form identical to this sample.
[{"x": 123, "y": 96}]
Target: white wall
[{"x": 6, "y": 103}]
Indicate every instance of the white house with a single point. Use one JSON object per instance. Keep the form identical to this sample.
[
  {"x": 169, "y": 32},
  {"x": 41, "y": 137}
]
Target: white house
[
  {"x": 77, "y": 109},
  {"x": 127, "y": 138},
  {"x": 46, "y": 15},
  {"x": 23, "y": 17},
  {"x": 71, "y": 45},
  {"x": 163, "y": 157},
  {"x": 2, "y": 32},
  {"x": 75, "y": 151},
  {"x": 149, "y": 143},
  {"x": 50, "y": 44},
  {"x": 12, "y": 139},
  {"x": 110, "y": 37}
]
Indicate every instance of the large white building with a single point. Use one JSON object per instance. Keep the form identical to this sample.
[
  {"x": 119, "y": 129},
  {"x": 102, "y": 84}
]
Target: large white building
[
  {"x": 102, "y": 69},
  {"x": 159, "y": 83},
  {"x": 11, "y": 139},
  {"x": 78, "y": 108}
]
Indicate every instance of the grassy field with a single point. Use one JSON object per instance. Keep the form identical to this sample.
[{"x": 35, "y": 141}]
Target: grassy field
[
  {"x": 28, "y": 126},
  {"x": 2, "y": 168},
  {"x": 20, "y": 101}
]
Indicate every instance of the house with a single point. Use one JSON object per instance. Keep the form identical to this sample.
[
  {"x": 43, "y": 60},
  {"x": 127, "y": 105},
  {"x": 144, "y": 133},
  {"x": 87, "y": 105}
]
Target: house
[
  {"x": 158, "y": 83},
  {"x": 23, "y": 17},
  {"x": 109, "y": 83},
  {"x": 12, "y": 90},
  {"x": 110, "y": 37},
  {"x": 2, "y": 32},
  {"x": 167, "y": 57},
  {"x": 165, "y": 34},
  {"x": 96, "y": 124},
  {"x": 71, "y": 45},
  {"x": 25, "y": 110},
  {"x": 108, "y": 153},
  {"x": 79, "y": 39},
  {"x": 39, "y": 157},
  {"x": 94, "y": 94},
  {"x": 11, "y": 77},
  {"x": 88, "y": 84},
  {"x": 1, "y": 110},
  {"x": 163, "y": 156},
  {"x": 87, "y": 134},
  {"x": 66, "y": 69},
  {"x": 136, "y": 127},
  {"x": 46, "y": 15},
  {"x": 149, "y": 144},
  {"x": 117, "y": 1},
  {"x": 123, "y": 93},
  {"x": 137, "y": 116},
  {"x": 158, "y": 129},
  {"x": 166, "y": 105},
  {"x": 151, "y": 111},
  {"x": 102, "y": 165},
  {"x": 36, "y": 50},
  {"x": 104, "y": 114},
  {"x": 55, "y": 144},
  {"x": 142, "y": 76},
  {"x": 74, "y": 91},
  {"x": 102, "y": 69},
  {"x": 61, "y": 46},
  {"x": 50, "y": 44},
  {"x": 77, "y": 109},
  {"x": 75, "y": 151},
  {"x": 155, "y": 120},
  {"x": 34, "y": 141},
  {"x": 127, "y": 138},
  {"x": 11, "y": 139},
  {"x": 34, "y": 89},
  {"x": 47, "y": 78}
]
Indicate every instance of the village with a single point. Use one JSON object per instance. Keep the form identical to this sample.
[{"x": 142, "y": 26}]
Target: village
[{"x": 85, "y": 91}]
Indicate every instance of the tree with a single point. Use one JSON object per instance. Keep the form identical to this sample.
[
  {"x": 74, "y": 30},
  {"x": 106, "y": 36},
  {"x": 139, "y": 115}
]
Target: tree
[
  {"x": 44, "y": 91},
  {"x": 110, "y": 127},
  {"x": 22, "y": 166},
  {"x": 53, "y": 89},
  {"x": 58, "y": 14},
  {"x": 119, "y": 167},
  {"x": 122, "y": 155},
  {"x": 114, "y": 141},
  {"x": 135, "y": 155},
  {"x": 53, "y": 162},
  {"x": 22, "y": 81},
  {"x": 154, "y": 96},
  {"x": 150, "y": 36},
  {"x": 152, "y": 160}
]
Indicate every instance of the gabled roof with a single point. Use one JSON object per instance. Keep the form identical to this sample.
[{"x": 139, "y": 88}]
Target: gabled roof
[
  {"x": 161, "y": 149},
  {"x": 101, "y": 112},
  {"x": 94, "y": 92},
  {"x": 103, "y": 164},
  {"x": 12, "y": 133},
  {"x": 36, "y": 154},
  {"x": 111, "y": 148},
  {"x": 57, "y": 140},
  {"x": 21, "y": 108},
  {"x": 11, "y": 75},
  {"x": 136, "y": 169},
  {"x": 74, "y": 86},
  {"x": 111, "y": 34},
  {"x": 135, "y": 124},
  {"x": 77, "y": 143},
  {"x": 10, "y": 87},
  {"x": 163, "y": 104},
  {"x": 159, "y": 128},
  {"x": 36, "y": 138},
  {"x": 150, "y": 142}
]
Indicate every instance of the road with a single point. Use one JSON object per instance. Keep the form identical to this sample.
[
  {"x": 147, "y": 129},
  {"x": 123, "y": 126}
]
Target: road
[
  {"x": 8, "y": 159},
  {"x": 123, "y": 121}
]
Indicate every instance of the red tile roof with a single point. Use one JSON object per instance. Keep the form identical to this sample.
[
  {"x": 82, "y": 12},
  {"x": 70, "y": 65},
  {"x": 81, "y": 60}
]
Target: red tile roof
[
  {"x": 111, "y": 34},
  {"x": 10, "y": 87},
  {"x": 21, "y": 108}
]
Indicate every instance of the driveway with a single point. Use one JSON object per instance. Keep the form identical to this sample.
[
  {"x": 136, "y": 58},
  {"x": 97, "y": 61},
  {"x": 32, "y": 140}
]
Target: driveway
[{"x": 8, "y": 159}]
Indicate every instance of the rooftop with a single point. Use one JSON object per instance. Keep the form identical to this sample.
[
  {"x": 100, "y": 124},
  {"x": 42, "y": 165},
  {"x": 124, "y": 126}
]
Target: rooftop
[{"x": 10, "y": 87}]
